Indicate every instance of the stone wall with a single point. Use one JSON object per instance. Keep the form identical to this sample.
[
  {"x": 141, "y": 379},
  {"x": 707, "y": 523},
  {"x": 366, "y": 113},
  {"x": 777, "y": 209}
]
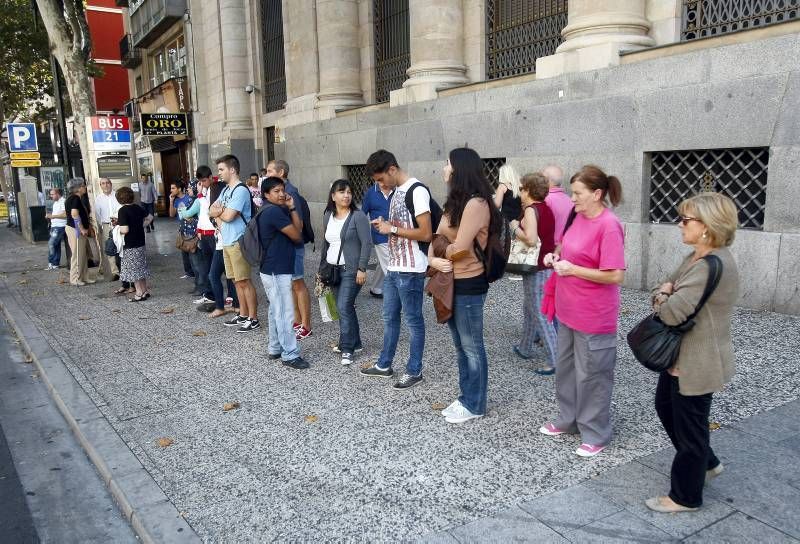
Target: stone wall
[{"x": 738, "y": 95}]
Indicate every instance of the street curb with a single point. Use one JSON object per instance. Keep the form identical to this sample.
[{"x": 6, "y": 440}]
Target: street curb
[{"x": 152, "y": 516}]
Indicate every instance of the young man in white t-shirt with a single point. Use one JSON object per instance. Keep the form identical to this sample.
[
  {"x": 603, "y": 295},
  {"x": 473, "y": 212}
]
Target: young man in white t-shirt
[
  {"x": 405, "y": 277},
  {"x": 58, "y": 224}
]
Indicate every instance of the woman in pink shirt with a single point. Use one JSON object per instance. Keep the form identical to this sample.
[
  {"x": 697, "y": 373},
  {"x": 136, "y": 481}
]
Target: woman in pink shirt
[{"x": 590, "y": 263}]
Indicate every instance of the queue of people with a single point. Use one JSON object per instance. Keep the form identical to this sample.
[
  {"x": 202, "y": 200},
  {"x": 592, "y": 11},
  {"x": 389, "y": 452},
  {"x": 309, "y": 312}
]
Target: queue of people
[{"x": 570, "y": 300}]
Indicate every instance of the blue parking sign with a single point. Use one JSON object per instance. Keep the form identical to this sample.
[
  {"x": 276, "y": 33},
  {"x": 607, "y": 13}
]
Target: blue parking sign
[{"x": 22, "y": 137}]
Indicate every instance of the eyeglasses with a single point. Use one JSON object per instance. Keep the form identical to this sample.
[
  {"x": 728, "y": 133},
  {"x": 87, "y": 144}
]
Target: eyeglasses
[{"x": 684, "y": 220}]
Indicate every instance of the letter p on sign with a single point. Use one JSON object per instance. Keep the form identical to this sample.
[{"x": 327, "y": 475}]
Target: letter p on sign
[{"x": 22, "y": 137}]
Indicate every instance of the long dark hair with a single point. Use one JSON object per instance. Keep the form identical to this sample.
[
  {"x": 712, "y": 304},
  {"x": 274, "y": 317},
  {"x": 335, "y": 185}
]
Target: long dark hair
[
  {"x": 467, "y": 181},
  {"x": 340, "y": 185}
]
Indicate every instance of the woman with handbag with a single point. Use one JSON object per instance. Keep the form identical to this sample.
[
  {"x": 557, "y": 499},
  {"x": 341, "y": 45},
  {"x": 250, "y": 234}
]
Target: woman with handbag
[
  {"x": 590, "y": 263},
  {"x": 468, "y": 216},
  {"x": 536, "y": 230},
  {"x": 705, "y": 361},
  {"x": 507, "y": 197},
  {"x": 131, "y": 219},
  {"x": 345, "y": 255}
]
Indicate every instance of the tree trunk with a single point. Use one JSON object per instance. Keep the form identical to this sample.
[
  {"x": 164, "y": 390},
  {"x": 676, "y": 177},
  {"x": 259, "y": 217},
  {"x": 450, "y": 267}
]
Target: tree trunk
[
  {"x": 3, "y": 182},
  {"x": 69, "y": 39}
]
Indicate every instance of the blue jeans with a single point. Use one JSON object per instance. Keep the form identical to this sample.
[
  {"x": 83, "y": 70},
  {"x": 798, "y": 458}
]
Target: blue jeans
[
  {"x": 299, "y": 262},
  {"x": 201, "y": 263},
  {"x": 57, "y": 235},
  {"x": 466, "y": 327},
  {"x": 349, "y": 331},
  {"x": 149, "y": 209},
  {"x": 402, "y": 293},
  {"x": 281, "y": 316},
  {"x": 214, "y": 273}
]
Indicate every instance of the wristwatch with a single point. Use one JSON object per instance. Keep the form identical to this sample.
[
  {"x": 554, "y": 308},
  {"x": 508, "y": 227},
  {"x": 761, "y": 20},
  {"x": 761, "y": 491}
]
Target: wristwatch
[
  {"x": 394, "y": 230},
  {"x": 362, "y": 269},
  {"x": 292, "y": 210}
]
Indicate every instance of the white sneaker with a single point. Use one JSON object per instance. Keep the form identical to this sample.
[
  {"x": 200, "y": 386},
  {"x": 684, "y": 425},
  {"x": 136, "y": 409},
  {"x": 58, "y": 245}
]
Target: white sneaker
[
  {"x": 347, "y": 359},
  {"x": 456, "y": 404},
  {"x": 51, "y": 267},
  {"x": 460, "y": 414},
  {"x": 202, "y": 300}
]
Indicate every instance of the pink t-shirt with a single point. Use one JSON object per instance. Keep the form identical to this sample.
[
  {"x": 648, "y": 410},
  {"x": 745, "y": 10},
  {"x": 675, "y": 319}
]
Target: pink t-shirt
[
  {"x": 584, "y": 305},
  {"x": 560, "y": 204}
]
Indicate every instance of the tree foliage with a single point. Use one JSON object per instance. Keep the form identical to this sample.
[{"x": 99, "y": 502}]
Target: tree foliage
[{"x": 25, "y": 74}]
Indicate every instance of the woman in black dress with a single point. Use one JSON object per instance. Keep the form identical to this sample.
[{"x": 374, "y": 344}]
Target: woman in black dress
[{"x": 131, "y": 219}]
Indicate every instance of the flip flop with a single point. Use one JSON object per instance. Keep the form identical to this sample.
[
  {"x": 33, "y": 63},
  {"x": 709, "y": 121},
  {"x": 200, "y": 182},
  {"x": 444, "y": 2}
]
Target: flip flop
[{"x": 120, "y": 291}]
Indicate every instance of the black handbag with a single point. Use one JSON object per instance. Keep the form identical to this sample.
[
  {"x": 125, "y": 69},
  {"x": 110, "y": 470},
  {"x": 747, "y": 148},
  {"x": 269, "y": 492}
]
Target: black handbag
[
  {"x": 655, "y": 344},
  {"x": 110, "y": 248},
  {"x": 331, "y": 274}
]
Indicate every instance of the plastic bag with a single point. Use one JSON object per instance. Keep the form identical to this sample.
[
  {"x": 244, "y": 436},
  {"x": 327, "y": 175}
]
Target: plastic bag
[{"x": 327, "y": 306}]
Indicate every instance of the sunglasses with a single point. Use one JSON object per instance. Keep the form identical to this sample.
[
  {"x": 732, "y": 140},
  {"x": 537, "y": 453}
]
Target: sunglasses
[{"x": 684, "y": 220}]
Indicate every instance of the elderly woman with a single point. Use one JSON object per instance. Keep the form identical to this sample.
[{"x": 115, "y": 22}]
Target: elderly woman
[
  {"x": 78, "y": 231},
  {"x": 705, "y": 363},
  {"x": 590, "y": 263},
  {"x": 131, "y": 219}
]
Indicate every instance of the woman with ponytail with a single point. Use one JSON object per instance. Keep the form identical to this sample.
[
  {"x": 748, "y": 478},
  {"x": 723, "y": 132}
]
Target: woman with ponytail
[{"x": 590, "y": 263}]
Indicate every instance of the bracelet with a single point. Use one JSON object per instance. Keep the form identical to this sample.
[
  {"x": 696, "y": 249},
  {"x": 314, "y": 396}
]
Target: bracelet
[{"x": 664, "y": 293}]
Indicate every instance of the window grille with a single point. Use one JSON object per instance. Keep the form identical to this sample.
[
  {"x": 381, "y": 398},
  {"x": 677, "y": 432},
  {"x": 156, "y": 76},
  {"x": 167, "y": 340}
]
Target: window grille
[
  {"x": 274, "y": 65},
  {"x": 269, "y": 144},
  {"x": 738, "y": 173},
  {"x": 492, "y": 169},
  {"x": 702, "y": 18},
  {"x": 392, "y": 46},
  {"x": 520, "y": 31},
  {"x": 357, "y": 174}
]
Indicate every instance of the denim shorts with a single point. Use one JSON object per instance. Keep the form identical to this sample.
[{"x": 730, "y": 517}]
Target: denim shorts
[{"x": 299, "y": 257}]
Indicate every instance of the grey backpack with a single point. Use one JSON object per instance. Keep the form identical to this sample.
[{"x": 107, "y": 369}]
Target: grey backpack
[{"x": 250, "y": 242}]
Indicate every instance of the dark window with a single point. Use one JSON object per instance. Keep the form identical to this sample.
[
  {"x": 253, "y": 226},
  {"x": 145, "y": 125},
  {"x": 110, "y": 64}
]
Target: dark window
[
  {"x": 274, "y": 66},
  {"x": 738, "y": 173},
  {"x": 492, "y": 169},
  {"x": 703, "y": 18},
  {"x": 392, "y": 52},
  {"x": 269, "y": 144},
  {"x": 357, "y": 174},
  {"x": 520, "y": 31}
]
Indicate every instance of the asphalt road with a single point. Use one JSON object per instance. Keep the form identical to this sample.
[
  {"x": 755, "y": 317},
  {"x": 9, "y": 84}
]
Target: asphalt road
[{"x": 49, "y": 490}]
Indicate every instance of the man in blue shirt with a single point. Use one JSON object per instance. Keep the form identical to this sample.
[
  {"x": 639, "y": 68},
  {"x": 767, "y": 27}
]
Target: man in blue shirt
[
  {"x": 178, "y": 199},
  {"x": 302, "y": 299},
  {"x": 279, "y": 229},
  {"x": 232, "y": 212},
  {"x": 376, "y": 205}
]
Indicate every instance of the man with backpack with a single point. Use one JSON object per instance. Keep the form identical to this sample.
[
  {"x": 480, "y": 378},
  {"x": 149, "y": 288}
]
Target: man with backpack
[
  {"x": 233, "y": 210},
  {"x": 413, "y": 217},
  {"x": 302, "y": 299},
  {"x": 279, "y": 229}
]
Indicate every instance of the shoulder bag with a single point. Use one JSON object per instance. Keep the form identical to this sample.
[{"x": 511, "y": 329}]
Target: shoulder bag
[
  {"x": 655, "y": 344},
  {"x": 522, "y": 258}
]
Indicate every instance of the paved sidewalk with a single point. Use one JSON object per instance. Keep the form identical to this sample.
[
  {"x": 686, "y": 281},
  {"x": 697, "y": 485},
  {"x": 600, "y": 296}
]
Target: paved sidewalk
[{"x": 326, "y": 454}]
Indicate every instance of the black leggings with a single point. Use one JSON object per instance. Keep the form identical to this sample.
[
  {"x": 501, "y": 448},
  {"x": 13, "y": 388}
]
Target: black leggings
[{"x": 685, "y": 418}]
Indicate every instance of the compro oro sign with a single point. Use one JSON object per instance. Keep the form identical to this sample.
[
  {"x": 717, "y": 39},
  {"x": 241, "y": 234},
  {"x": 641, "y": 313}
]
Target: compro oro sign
[{"x": 165, "y": 124}]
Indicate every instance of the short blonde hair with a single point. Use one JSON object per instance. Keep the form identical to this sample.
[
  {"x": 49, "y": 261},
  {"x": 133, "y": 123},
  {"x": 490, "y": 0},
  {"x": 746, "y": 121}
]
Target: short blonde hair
[
  {"x": 717, "y": 212},
  {"x": 508, "y": 176}
]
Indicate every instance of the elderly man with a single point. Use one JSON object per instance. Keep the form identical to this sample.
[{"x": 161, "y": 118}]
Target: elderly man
[
  {"x": 557, "y": 199},
  {"x": 105, "y": 208}
]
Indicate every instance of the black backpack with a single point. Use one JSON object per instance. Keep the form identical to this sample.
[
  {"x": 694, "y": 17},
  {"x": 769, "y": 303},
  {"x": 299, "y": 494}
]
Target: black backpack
[
  {"x": 436, "y": 213},
  {"x": 305, "y": 213},
  {"x": 498, "y": 246}
]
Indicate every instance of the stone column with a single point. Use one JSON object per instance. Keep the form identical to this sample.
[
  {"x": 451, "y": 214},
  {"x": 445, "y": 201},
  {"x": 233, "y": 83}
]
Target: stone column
[
  {"x": 437, "y": 50},
  {"x": 596, "y": 33},
  {"x": 234, "y": 65},
  {"x": 339, "y": 54},
  {"x": 300, "y": 50}
]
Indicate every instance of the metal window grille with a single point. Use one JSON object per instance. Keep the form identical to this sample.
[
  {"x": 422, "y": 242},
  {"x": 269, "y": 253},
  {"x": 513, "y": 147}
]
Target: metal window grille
[
  {"x": 274, "y": 64},
  {"x": 492, "y": 169},
  {"x": 520, "y": 31},
  {"x": 702, "y": 18},
  {"x": 269, "y": 144},
  {"x": 357, "y": 174},
  {"x": 738, "y": 173},
  {"x": 392, "y": 46}
]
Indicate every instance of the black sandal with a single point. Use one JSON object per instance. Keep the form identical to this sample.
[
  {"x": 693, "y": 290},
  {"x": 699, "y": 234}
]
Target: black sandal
[{"x": 138, "y": 298}]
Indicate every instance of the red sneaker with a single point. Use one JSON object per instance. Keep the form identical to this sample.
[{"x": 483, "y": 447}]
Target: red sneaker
[{"x": 303, "y": 332}]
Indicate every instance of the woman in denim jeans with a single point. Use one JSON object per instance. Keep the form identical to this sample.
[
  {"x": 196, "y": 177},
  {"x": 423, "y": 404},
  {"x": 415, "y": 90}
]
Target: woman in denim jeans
[
  {"x": 347, "y": 244},
  {"x": 469, "y": 215}
]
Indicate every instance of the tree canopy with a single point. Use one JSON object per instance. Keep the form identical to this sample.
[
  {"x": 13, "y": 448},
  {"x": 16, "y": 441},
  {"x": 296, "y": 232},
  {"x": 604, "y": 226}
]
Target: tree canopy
[{"x": 25, "y": 73}]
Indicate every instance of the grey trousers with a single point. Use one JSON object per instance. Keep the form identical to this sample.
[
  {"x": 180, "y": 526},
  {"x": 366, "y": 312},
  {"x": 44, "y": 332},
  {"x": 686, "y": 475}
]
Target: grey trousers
[{"x": 584, "y": 381}]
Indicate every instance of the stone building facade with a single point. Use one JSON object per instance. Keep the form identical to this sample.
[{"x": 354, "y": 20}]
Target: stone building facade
[{"x": 672, "y": 96}]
